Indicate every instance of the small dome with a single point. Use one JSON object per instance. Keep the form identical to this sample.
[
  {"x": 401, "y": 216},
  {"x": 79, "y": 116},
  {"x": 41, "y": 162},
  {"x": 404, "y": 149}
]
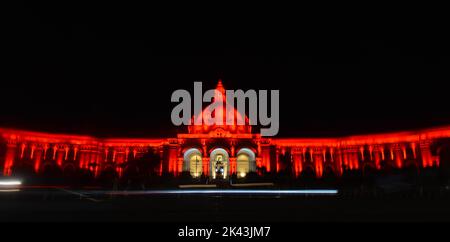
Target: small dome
[{"x": 226, "y": 111}]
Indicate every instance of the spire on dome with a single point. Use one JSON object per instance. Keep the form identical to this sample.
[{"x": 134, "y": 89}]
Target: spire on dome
[
  {"x": 221, "y": 90},
  {"x": 220, "y": 87}
]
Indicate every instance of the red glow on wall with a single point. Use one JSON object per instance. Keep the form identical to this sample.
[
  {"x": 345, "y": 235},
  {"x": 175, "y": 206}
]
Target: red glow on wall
[
  {"x": 398, "y": 159},
  {"x": 347, "y": 152},
  {"x": 9, "y": 159},
  {"x": 37, "y": 161},
  {"x": 352, "y": 152},
  {"x": 377, "y": 157},
  {"x": 298, "y": 167},
  {"x": 60, "y": 157},
  {"x": 319, "y": 165}
]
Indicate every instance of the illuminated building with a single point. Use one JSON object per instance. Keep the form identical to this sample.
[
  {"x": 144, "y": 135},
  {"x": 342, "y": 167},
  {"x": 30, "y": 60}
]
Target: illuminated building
[{"x": 220, "y": 151}]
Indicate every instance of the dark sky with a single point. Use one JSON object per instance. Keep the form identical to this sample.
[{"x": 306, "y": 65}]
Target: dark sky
[{"x": 111, "y": 72}]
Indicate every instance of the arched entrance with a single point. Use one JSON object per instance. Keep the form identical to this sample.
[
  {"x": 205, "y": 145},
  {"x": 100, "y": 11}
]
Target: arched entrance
[
  {"x": 193, "y": 162},
  {"x": 245, "y": 162},
  {"x": 219, "y": 161}
]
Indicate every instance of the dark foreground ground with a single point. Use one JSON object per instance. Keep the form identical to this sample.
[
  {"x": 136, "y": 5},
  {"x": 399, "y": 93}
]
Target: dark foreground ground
[{"x": 57, "y": 204}]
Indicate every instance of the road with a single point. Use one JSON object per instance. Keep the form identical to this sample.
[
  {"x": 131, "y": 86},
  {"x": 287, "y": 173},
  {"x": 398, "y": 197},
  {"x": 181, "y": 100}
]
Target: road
[{"x": 63, "y": 204}]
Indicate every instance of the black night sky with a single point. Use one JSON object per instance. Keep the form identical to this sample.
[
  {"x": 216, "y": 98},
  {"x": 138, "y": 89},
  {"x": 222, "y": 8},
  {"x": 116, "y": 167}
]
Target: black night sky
[{"x": 111, "y": 72}]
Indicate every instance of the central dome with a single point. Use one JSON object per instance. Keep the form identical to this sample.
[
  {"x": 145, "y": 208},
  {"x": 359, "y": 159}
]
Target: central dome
[{"x": 222, "y": 113}]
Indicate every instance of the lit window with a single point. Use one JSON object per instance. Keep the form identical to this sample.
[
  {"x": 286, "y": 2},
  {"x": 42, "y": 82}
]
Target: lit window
[
  {"x": 243, "y": 165},
  {"x": 195, "y": 168}
]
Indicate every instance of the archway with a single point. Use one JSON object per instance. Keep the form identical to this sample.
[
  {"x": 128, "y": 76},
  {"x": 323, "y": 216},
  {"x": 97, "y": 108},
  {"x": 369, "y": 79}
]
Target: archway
[
  {"x": 328, "y": 173},
  {"x": 69, "y": 170},
  {"x": 192, "y": 162},
  {"x": 50, "y": 170},
  {"x": 245, "y": 162},
  {"x": 108, "y": 177},
  {"x": 308, "y": 174},
  {"x": 219, "y": 161}
]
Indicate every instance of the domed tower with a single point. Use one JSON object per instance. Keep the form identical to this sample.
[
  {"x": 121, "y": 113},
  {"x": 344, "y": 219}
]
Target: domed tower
[
  {"x": 237, "y": 123},
  {"x": 218, "y": 149}
]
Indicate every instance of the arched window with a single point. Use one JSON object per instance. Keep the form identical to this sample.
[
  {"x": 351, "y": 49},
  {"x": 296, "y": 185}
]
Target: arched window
[
  {"x": 196, "y": 167},
  {"x": 219, "y": 163},
  {"x": 193, "y": 162},
  {"x": 245, "y": 162},
  {"x": 243, "y": 165}
]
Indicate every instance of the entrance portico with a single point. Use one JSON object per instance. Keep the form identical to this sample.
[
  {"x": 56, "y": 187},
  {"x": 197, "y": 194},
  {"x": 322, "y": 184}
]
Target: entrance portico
[{"x": 220, "y": 164}]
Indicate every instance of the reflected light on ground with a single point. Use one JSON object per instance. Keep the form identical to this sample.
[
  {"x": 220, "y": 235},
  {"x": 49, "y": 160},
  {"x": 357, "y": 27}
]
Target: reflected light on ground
[
  {"x": 9, "y": 190},
  {"x": 10, "y": 183},
  {"x": 245, "y": 192}
]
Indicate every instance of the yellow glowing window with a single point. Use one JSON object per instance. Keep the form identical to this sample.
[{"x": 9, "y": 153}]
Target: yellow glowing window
[
  {"x": 243, "y": 165},
  {"x": 196, "y": 168}
]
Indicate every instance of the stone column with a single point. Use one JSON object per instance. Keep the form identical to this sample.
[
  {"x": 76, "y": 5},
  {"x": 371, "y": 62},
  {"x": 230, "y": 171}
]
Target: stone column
[
  {"x": 397, "y": 155},
  {"x": 297, "y": 159},
  {"x": 10, "y": 156},
  {"x": 318, "y": 161},
  {"x": 60, "y": 154},
  {"x": 425, "y": 152},
  {"x": 37, "y": 157}
]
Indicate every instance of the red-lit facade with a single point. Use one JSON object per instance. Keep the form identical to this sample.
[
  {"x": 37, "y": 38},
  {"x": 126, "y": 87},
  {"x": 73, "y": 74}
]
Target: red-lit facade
[{"x": 234, "y": 147}]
